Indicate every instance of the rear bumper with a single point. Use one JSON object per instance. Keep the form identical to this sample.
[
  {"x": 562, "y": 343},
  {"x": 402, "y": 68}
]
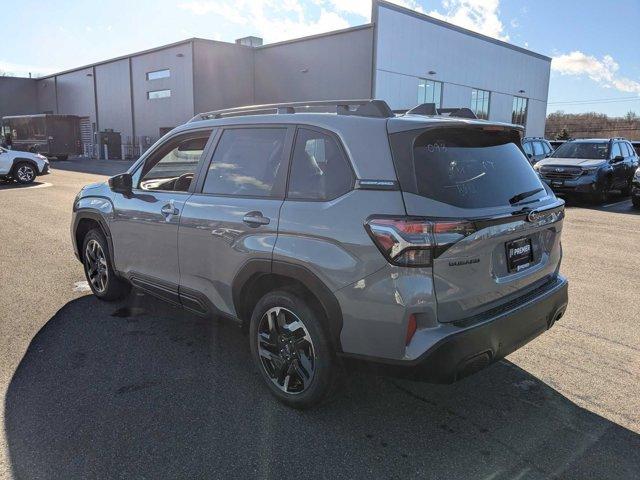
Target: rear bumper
[{"x": 474, "y": 347}]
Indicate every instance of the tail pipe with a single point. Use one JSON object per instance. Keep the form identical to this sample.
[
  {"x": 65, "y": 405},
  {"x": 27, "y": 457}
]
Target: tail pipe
[{"x": 555, "y": 316}]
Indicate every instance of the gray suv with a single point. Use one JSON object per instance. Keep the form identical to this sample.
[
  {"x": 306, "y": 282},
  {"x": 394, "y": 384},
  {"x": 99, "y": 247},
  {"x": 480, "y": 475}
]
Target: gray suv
[{"x": 337, "y": 232}]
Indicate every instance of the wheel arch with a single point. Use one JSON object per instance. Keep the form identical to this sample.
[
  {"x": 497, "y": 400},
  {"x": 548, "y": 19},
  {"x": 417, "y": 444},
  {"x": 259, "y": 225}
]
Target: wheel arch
[
  {"x": 19, "y": 160},
  {"x": 85, "y": 221},
  {"x": 257, "y": 277}
]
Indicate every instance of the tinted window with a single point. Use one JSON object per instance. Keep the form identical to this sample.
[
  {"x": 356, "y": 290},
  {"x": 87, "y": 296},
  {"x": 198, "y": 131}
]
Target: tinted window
[
  {"x": 547, "y": 148},
  {"x": 626, "y": 149},
  {"x": 537, "y": 148},
  {"x": 519, "y": 111},
  {"x": 527, "y": 148},
  {"x": 173, "y": 166},
  {"x": 615, "y": 150},
  {"x": 319, "y": 170},
  {"x": 586, "y": 150},
  {"x": 158, "y": 74},
  {"x": 464, "y": 167},
  {"x": 156, "y": 94},
  {"x": 246, "y": 162},
  {"x": 430, "y": 91},
  {"x": 480, "y": 103}
]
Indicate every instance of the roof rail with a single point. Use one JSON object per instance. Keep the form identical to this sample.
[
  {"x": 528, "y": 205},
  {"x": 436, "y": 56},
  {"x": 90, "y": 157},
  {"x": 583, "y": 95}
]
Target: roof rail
[
  {"x": 431, "y": 109},
  {"x": 361, "y": 108}
]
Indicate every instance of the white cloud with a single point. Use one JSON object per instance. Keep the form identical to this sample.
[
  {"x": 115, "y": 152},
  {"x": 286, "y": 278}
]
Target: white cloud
[
  {"x": 603, "y": 71},
  {"x": 482, "y": 16},
  {"x": 279, "y": 20},
  {"x": 23, "y": 70},
  {"x": 362, "y": 8},
  {"x": 273, "y": 20}
]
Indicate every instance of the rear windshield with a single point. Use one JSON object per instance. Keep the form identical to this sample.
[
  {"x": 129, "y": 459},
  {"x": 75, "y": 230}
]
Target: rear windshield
[
  {"x": 464, "y": 167},
  {"x": 584, "y": 150}
]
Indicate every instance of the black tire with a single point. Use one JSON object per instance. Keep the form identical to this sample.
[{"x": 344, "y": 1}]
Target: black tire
[
  {"x": 24, "y": 173},
  {"x": 98, "y": 268},
  {"x": 320, "y": 362},
  {"x": 626, "y": 191},
  {"x": 599, "y": 196},
  {"x": 636, "y": 202}
]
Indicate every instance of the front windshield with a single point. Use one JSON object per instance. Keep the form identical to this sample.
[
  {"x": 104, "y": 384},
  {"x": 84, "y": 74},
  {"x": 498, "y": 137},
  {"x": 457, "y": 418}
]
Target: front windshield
[{"x": 585, "y": 150}]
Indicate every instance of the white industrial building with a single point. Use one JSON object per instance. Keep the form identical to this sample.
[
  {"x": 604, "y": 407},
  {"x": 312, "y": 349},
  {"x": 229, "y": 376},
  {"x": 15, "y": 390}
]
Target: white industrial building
[{"x": 402, "y": 57}]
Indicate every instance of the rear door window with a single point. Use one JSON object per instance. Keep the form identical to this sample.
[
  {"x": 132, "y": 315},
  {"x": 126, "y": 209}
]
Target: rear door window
[
  {"x": 537, "y": 148},
  {"x": 247, "y": 162},
  {"x": 464, "y": 167},
  {"x": 320, "y": 169},
  {"x": 615, "y": 150}
]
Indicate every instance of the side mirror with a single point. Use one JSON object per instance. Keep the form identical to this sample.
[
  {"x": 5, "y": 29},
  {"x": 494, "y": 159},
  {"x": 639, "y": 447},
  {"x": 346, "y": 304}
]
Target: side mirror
[
  {"x": 617, "y": 159},
  {"x": 529, "y": 155},
  {"x": 121, "y": 183}
]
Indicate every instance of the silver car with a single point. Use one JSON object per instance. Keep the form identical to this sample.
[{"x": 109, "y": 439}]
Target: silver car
[{"x": 337, "y": 232}]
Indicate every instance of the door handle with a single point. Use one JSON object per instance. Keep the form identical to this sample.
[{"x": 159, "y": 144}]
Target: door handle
[
  {"x": 255, "y": 219},
  {"x": 169, "y": 209}
]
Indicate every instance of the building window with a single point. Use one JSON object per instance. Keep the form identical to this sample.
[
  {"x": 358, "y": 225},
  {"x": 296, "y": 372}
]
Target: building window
[
  {"x": 480, "y": 103},
  {"x": 430, "y": 91},
  {"x": 156, "y": 75},
  {"x": 519, "y": 112},
  {"x": 155, "y": 94}
]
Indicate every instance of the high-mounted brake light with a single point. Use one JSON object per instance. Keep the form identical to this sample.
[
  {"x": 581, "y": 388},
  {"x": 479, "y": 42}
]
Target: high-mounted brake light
[{"x": 415, "y": 242}]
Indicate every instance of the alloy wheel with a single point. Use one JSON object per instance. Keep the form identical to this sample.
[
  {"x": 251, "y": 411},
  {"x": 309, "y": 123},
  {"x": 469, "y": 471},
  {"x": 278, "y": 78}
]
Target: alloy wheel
[
  {"x": 286, "y": 350},
  {"x": 25, "y": 173},
  {"x": 95, "y": 263}
]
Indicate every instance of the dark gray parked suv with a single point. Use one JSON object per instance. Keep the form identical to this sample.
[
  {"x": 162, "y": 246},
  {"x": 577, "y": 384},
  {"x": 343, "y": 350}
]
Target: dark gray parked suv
[
  {"x": 350, "y": 234},
  {"x": 591, "y": 167}
]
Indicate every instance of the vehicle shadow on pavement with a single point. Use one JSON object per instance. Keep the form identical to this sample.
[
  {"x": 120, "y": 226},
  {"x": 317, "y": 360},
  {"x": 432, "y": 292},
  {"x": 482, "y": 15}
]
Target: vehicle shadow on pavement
[
  {"x": 11, "y": 185},
  {"x": 139, "y": 389},
  {"x": 616, "y": 203}
]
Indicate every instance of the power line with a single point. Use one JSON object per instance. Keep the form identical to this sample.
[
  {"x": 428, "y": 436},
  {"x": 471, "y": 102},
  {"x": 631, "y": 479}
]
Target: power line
[{"x": 597, "y": 100}]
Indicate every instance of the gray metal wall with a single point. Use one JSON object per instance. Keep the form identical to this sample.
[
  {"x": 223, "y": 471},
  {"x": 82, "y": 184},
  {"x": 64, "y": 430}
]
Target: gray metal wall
[
  {"x": 113, "y": 94},
  {"x": 18, "y": 96},
  {"x": 223, "y": 75},
  {"x": 46, "y": 95},
  {"x": 408, "y": 46},
  {"x": 76, "y": 93},
  {"x": 324, "y": 67},
  {"x": 151, "y": 115},
  {"x": 118, "y": 104}
]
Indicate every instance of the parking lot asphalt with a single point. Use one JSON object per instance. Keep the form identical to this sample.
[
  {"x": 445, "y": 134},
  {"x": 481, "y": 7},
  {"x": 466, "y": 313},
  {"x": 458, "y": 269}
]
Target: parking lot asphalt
[{"x": 140, "y": 389}]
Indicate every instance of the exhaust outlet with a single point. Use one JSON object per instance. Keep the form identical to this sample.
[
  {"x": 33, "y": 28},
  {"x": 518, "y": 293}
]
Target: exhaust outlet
[{"x": 557, "y": 315}]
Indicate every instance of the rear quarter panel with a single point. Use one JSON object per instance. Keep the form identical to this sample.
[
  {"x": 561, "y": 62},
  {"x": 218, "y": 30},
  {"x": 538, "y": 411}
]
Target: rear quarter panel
[{"x": 329, "y": 238}]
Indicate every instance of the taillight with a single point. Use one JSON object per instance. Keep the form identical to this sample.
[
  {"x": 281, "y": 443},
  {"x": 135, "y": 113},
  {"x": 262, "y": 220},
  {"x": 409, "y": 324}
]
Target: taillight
[{"x": 415, "y": 242}]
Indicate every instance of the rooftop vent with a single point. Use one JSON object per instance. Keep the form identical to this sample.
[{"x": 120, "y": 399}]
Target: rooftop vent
[{"x": 250, "y": 41}]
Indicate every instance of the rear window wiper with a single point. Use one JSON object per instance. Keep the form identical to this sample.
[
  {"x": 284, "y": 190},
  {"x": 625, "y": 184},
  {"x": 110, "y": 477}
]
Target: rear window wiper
[{"x": 521, "y": 196}]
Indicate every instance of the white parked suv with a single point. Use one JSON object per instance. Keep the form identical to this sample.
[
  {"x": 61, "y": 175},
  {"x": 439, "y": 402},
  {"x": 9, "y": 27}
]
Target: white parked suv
[{"x": 23, "y": 167}]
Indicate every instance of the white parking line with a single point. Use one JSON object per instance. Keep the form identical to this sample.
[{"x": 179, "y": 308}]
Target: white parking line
[
  {"x": 28, "y": 187},
  {"x": 82, "y": 286},
  {"x": 615, "y": 203}
]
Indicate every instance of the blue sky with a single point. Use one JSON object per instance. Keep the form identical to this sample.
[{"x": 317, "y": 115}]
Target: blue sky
[{"x": 595, "y": 43}]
